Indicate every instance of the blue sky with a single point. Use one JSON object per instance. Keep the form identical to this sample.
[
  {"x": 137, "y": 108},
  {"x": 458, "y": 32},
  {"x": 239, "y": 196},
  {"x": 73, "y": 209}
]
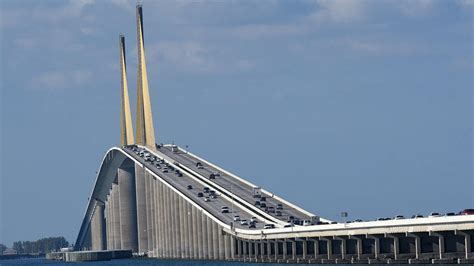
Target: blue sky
[{"x": 358, "y": 106}]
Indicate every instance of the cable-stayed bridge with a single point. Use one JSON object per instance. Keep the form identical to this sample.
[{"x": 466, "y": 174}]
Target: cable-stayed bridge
[{"x": 165, "y": 202}]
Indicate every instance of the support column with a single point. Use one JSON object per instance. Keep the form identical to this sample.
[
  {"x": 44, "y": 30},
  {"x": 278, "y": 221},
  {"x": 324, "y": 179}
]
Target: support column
[
  {"x": 293, "y": 249},
  {"x": 239, "y": 248},
  {"x": 215, "y": 240},
  {"x": 396, "y": 245},
  {"x": 148, "y": 212},
  {"x": 98, "y": 227},
  {"x": 210, "y": 238},
  {"x": 343, "y": 246},
  {"x": 152, "y": 214},
  {"x": 232, "y": 247},
  {"x": 226, "y": 247},
  {"x": 467, "y": 242},
  {"x": 181, "y": 228},
  {"x": 198, "y": 221},
  {"x": 116, "y": 216},
  {"x": 190, "y": 231},
  {"x": 417, "y": 244},
  {"x": 316, "y": 248},
  {"x": 221, "y": 243},
  {"x": 177, "y": 237},
  {"x": 377, "y": 246},
  {"x": 328, "y": 245},
  {"x": 204, "y": 242},
  {"x": 305, "y": 249},
  {"x": 245, "y": 247},
  {"x": 440, "y": 243},
  {"x": 128, "y": 209},
  {"x": 195, "y": 233},
  {"x": 161, "y": 223},
  {"x": 141, "y": 209},
  {"x": 285, "y": 249}
]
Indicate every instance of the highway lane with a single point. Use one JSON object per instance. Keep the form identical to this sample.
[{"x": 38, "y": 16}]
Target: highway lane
[
  {"x": 237, "y": 187},
  {"x": 214, "y": 206}
]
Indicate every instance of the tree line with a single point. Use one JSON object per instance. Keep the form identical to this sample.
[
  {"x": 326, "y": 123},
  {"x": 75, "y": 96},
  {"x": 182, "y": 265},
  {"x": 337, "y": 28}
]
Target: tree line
[{"x": 43, "y": 245}]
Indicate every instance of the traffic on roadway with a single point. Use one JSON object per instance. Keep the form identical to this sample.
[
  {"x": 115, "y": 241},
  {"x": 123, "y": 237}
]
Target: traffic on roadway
[{"x": 206, "y": 197}]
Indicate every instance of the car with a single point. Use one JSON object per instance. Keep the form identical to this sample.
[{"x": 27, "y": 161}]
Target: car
[
  {"x": 200, "y": 194},
  {"x": 243, "y": 222},
  {"x": 206, "y": 190},
  {"x": 434, "y": 214},
  {"x": 200, "y": 167},
  {"x": 279, "y": 206},
  {"x": 291, "y": 217},
  {"x": 467, "y": 212},
  {"x": 212, "y": 176},
  {"x": 278, "y": 213},
  {"x": 190, "y": 187},
  {"x": 236, "y": 218},
  {"x": 158, "y": 167},
  {"x": 288, "y": 225},
  {"x": 253, "y": 219},
  {"x": 450, "y": 214},
  {"x": 307, "y": 223},
  {"x": 257, "y": 203},
  {"x": 269, "y": 226},
  {"x": 198, "y": 164},
  {"x": 207, "y": 199},
  {"x": 165, "y": 170},
  {"x": 263, "y": 205},
  {"x": 225, "y": 209},
  {"x": 358, "y": 220},
  {"x": 297, "y": 222},
  {"x": 180, "y": 174},
  {"x": 399, "y": 217},
  {"x": 333, "y": 222},
  {"x": 381, "y": 219},
  {"x": 213, "y": 196},
  {"x": 177, "y": 171},
  {"x": 270, "y": 209},
  {"x": 416, "y": 216},
  {"x": 217, "y": 174},
  {"x": 212, "y": 192},
  {"x": 252, "y": 225},
  {"x": 263, "y": 198}
]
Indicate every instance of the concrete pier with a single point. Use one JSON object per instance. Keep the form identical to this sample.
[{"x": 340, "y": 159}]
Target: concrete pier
[
  {"x": 128, "y": 209},
  {"x": 141, "y": 209},
  {"x": 98, "y": 226}
]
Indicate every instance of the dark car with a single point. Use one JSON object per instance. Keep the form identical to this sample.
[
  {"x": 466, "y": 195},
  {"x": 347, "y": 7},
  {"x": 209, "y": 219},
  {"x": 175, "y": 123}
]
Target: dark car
[
  {"x": 279, "y": 206},
  {"x": 278, "y": 213},
  {"x": 450, "y": 214},
  {"x": 263, "y": 198},
  {"x": 257, "y": 203},
  {"x": 252, "y": 225},
  {"x": 263, "y": 205},
  {"x": 206, "y": 190},
  {"x": 200, "y": 194},
  {"x": 212, "y": 176},
  {"x": 190, "y": 187},
  {"x": 467, "y": 212}
]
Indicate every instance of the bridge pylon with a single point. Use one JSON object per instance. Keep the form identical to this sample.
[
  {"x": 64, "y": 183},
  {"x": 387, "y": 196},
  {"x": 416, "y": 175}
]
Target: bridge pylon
[
  {"x": 144, "y": 121},
  {"x": 126, "y": 129}
]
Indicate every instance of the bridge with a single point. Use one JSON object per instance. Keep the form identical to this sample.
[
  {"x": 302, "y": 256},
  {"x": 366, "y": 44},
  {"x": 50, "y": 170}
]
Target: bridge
[{"x": 163, "y": 201}]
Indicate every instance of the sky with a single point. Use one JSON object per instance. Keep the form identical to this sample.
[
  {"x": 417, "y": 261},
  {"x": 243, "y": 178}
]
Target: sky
[{"x": 358, "y": 106}]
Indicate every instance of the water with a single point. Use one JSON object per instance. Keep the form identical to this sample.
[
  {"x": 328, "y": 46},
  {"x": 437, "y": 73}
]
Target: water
[{"x": 130, "y": 262}]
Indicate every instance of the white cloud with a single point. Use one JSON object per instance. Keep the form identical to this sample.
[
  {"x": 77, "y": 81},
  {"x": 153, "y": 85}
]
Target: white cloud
[{"x": 57, "y": 80}]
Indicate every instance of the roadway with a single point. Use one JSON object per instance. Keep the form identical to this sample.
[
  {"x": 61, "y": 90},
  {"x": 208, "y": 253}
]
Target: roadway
[
  {"x": 237, "y": 187},
  {"x": 213, "y": 206}
]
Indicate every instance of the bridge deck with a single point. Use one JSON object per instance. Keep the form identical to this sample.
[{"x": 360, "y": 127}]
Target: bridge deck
[
  {"x": 237, "y": 187},
  {"x": 214, "y": 206}
]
